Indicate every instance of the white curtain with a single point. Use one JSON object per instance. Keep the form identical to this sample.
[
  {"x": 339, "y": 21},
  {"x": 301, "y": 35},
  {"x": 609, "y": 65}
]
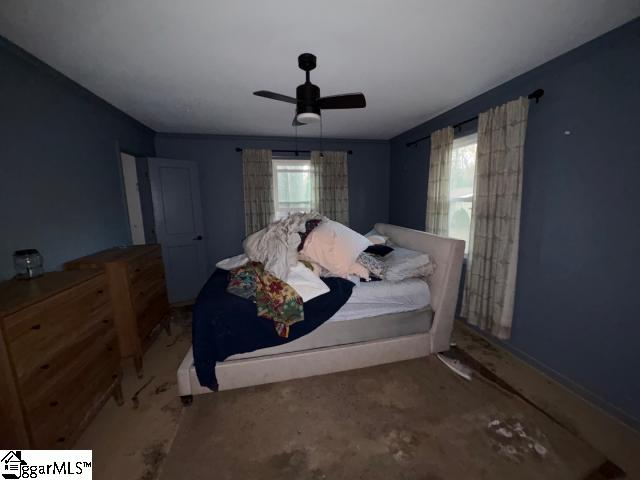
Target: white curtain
[
  {"x": 438, "y": 186},
  {"x": 495, "y": 221},
  {"x": 258, "y": 189},
  {"x": 330, "y": 187}
]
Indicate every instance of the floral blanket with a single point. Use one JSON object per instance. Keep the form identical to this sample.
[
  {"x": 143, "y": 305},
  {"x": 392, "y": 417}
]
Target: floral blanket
[{"x": 274, "y": 298}]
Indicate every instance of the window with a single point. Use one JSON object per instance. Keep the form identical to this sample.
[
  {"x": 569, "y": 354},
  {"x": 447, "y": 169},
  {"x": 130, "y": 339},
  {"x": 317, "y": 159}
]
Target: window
[
  {"x": 463, "y": 167},
  {"x": 291, "y": 186}
]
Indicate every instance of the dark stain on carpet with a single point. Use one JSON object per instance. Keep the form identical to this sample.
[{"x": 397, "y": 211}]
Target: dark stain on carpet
[{"x": 152, "y": 457}]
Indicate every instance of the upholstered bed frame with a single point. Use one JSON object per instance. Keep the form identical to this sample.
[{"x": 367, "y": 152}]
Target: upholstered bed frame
[{"x": 447, "y": 254}]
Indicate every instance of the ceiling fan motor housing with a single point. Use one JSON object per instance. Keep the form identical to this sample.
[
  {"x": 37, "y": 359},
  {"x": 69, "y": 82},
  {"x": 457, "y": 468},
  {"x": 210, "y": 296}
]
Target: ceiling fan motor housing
[
  {"x": 307, "y": 96},
  {"x": 307, "y": 61}
]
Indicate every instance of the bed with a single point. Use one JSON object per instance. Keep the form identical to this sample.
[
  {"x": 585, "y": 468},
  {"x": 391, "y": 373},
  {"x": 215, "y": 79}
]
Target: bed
[{"x": 377, "y": 325}]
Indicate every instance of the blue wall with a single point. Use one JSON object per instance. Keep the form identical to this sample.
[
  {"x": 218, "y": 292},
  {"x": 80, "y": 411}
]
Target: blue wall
[
  {"x": 60, "y": 181},
  {"x": 577, "y": 312},
  {"x": 220, "y": 168}
]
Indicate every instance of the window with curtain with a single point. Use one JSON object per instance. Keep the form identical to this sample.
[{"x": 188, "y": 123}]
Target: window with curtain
[
  {"x": 292, "y": 185},
  {"x": 461, "y": 181},
  {"x": 319, "y": 183}
]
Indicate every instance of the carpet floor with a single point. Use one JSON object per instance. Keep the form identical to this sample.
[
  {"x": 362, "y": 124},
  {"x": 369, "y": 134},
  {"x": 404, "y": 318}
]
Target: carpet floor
[{"x": 408, "y": 420}]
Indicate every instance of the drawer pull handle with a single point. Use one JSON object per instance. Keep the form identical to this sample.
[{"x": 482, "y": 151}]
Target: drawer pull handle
[
  {"x": 137, "y": 270},
  {"x": 106, "y": 320},
  {"x": 36, "y": 327},
  {"x": 100, "y": 292},
  {"x": 54, "y": 403},
  {"x": 45, "y": 366}
]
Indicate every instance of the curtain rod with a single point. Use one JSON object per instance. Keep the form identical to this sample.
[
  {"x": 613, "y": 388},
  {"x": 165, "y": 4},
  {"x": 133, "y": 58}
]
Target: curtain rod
[
  {"x": 238, "y": 149},
  {"x": 535, "y": 95}
]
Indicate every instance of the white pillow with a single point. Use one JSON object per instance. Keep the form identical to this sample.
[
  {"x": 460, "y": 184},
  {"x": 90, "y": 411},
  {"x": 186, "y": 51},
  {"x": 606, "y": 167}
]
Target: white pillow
[
  {"x": 335, "y": 247},
  {"x": 376, "y": 238},
  {"x": 403, "y": 263},
  {"x": 233, "y": 262},
  {"x": 306, "y": 283}
]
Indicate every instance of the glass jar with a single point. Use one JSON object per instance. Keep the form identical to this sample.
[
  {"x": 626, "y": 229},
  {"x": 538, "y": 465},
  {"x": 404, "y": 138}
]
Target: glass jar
[{"x": 27, "y": 263}]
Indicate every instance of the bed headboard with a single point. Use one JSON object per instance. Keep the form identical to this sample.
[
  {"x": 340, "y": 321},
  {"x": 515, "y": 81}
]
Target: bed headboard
[{"x": 448, "y": 254}]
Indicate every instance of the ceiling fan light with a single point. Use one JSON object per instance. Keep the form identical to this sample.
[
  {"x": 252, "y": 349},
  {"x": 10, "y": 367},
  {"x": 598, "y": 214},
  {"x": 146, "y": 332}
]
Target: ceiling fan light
[{"x": 308, "y": 117}]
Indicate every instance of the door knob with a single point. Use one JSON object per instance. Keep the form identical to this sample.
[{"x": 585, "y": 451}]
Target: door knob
[{"x": 199, "y": 237}]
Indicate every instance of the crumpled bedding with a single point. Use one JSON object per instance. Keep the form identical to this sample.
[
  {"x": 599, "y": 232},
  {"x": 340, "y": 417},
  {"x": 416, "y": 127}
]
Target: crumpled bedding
[{"x": 276, "y": 246}]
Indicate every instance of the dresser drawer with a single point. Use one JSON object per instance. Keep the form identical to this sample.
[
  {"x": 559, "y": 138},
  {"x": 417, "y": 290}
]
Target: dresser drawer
[
  {"x": 149, "y": 285},
  {"x": 46, "y": 332},
  {"x": 59, "y": 409},
  {"x": 145, "y": 265},
  {"x": 49, "y": 374}
]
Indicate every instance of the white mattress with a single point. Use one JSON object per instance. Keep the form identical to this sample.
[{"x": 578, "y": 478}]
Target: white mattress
[
  {"x": 375, "y": 311},
  {"x": 370, "y": 299}
]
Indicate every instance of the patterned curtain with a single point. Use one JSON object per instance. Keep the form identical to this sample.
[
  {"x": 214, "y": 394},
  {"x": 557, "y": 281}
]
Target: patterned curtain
[
  {"x": 438, "y": 187},
  {"x": 330, "y": 187},
  {"x": 258, "y": 189},
  {"x": 495, "y": 222}
]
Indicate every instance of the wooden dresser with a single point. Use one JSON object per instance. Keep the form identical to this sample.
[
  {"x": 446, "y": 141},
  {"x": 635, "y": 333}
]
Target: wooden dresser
[
  {"x": 59, "y": 358},
  {"x": 137, "y": 283}
]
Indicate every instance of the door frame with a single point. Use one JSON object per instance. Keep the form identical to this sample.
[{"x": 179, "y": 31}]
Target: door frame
[
  {"x": 118, "y": 150},
  {"x": 128, "y": 164}
]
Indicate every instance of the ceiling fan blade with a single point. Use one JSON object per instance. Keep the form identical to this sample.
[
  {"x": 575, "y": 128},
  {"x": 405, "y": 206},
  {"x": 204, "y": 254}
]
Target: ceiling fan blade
[
  {"x": 275, "y": 96},
  {"x": 346, "y": 100}
]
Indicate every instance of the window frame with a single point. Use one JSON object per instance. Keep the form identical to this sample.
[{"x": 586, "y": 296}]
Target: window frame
[{"x": 289, "y": 162}]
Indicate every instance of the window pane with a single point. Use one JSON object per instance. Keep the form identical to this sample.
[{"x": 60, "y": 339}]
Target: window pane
[
  {"x": 294, "y": 187},
  {"x": 293, "y": 184},
  {"x": 463, "y": 165}
]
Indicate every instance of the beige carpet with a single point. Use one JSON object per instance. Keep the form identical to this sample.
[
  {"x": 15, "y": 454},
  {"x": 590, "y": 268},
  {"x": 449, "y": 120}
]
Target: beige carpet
[
  {"x": 129, "y": 442},
  {"x": 409, "y": 420}
]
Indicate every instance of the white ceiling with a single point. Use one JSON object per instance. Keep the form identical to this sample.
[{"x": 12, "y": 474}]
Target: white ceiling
[{"x": 191, "y": 65}]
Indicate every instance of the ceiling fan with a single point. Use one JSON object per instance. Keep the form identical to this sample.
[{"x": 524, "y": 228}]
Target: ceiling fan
[{"x": 308, "y": 101}]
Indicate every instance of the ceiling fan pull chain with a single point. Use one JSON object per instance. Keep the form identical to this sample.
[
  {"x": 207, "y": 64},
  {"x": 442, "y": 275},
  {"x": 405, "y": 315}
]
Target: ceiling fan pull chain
[
  {"x": 296, "y": 138},
  {"x": 321, "y": 149}
]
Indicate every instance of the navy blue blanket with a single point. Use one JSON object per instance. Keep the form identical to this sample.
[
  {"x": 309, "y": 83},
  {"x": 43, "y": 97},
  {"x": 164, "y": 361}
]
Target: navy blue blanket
[{"x": 225, "y": 324}]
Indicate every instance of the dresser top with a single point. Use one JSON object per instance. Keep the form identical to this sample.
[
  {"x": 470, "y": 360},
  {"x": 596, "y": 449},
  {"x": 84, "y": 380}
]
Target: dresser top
[
  {"x": 18, "y": 294},
  {"x": 116, "y": 254}
]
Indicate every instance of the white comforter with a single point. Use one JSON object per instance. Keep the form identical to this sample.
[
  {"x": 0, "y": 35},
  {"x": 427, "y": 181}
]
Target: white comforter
[{"x": 276, "y": 246}]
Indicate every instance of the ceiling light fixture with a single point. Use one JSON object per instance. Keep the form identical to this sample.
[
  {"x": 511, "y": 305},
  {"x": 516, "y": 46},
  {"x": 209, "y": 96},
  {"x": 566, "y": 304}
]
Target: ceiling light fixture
[{"x": 308, "y": 117}]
